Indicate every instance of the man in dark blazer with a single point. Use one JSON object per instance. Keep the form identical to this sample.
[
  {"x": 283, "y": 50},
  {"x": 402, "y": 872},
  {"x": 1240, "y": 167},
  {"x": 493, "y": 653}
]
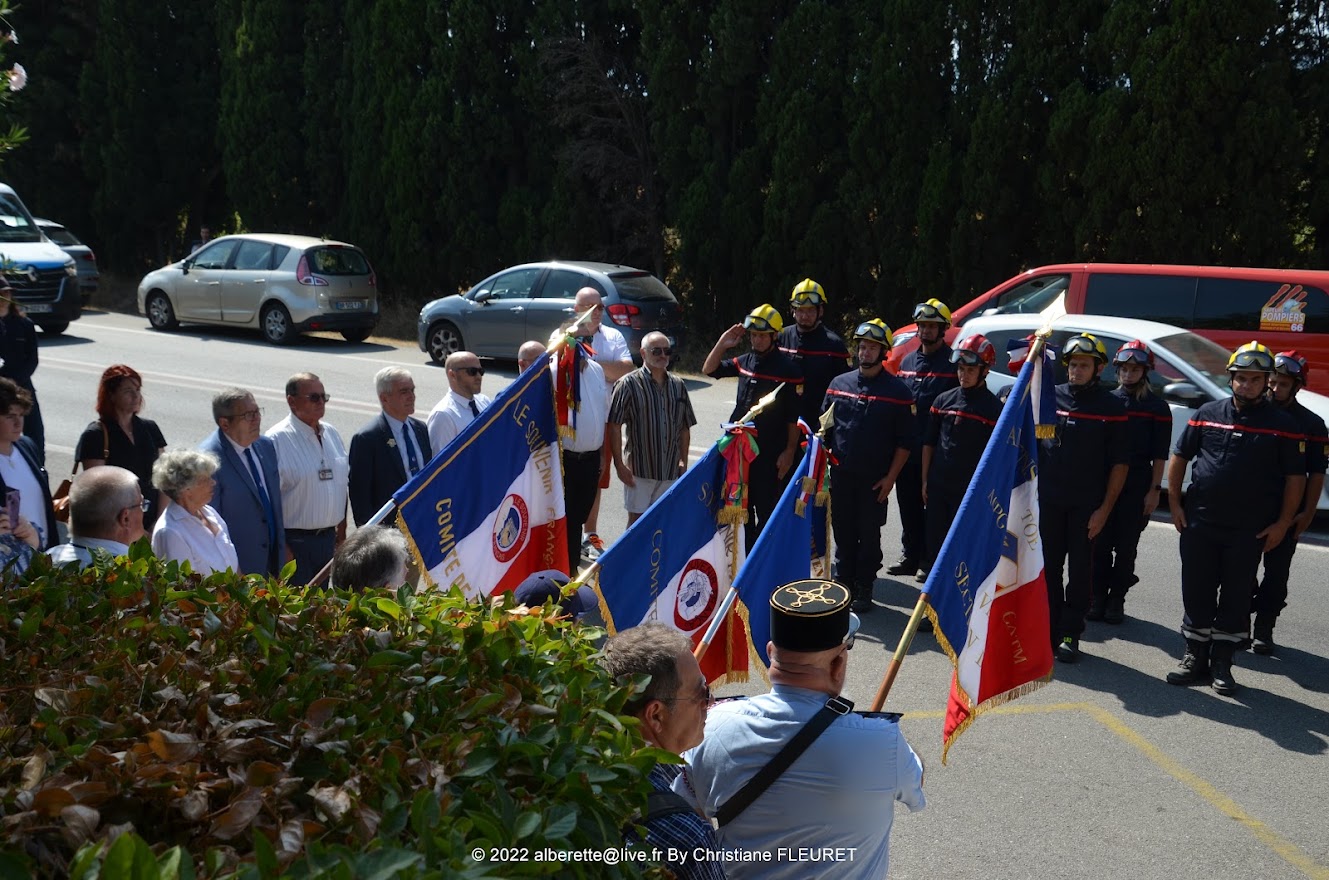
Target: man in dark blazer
[
  {"x": 248, "y": 491},
  {"x": 390, "y": 448}
]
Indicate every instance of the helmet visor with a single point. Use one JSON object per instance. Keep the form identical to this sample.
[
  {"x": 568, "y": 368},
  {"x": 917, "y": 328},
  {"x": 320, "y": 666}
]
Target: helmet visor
[
  {"x": 1080, "y": 345},
  {"x": 1251, "y": 360},
  {"x": 758, "y": 323},
  {"x": 1287, "y": 366},
  {"x": 1131, "y": 356},
  {"x": 929, "y": 312},
  {"x": 966, "y": 357},
  {"x": 870, "y": 332},
  {"x": 808, "y": 298}
]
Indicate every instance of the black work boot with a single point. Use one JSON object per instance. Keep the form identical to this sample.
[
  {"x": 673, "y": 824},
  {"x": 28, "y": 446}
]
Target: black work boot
[
  {"x": 1115, "y": 612},
  {"x": 1263, "y": 641},
  {"x": 1097, "y": 607},
  {"x": 1194, "y": 665},
  {"x": 861, "y": 601},
  {"x": 1069, "y": 650},
  {"x": 905, "y": 565},
  {"x": 1220, "y": 666}
]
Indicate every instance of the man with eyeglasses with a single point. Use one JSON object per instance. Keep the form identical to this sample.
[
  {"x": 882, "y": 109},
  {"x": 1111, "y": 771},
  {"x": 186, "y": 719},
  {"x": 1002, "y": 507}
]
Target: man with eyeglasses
[
  {"x": 106, "y": 508},
  {"x": 248, "y": 492},
  {"x": 462, "y": 404},
  {"x": 871, "y": 436},
  {"x": 672, "y": 711},
  {"x": 797, "y": 767},
  {"x": 1248, "y": 476},
  {"x": 818, "y": 350},
  {"x": 761, "y": 370},
  {"x": 657, "y": 411},
  {"x": 314, "y": 473},
  {"x": 1291, "y": 370}
]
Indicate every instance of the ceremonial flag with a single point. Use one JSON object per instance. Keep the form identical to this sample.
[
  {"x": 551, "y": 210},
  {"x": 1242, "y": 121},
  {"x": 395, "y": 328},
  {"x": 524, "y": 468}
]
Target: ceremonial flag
[
  {"x": 488, "y": 509},
  {"x": 783, "y": 553},
  {"x": 1042, "y": 387},
  {"x": 675, "y": 564},
  {"x": 986, "y": 591}
]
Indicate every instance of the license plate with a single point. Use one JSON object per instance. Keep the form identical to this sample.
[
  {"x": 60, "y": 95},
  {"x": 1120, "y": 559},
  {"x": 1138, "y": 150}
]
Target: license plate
[
  {"x": 37, "y": 308},
  {"x": 353, "y": 305}
]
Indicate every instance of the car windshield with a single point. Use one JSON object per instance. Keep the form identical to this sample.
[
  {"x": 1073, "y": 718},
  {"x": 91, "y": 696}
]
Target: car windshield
[
  {"x": 1032, "y": 296},
  {"x": 15, "y": 224},
  {"x": 61, "y": 236},
  {"x": 1204, "y": 355},
  {"x": 337, "y": 261},
  {"x": 641, "y": 287}
]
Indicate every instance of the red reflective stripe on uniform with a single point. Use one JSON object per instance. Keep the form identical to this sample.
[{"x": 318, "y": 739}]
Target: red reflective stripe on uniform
[
  {"x": 1092, "y": 416},
  {"x": 1152, "y": 416},
  {"x": 789, "y": 380},
  {"x": 1222, "y": 427},
  {"x": 915, "y": 374},
  {"x": 852, "y": 396},
  {"x": 832, "y": 354},
  {"x": 962, "y": 415}
]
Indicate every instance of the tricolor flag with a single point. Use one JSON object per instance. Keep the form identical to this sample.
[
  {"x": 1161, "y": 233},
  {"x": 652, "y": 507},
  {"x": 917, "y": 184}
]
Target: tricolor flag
[
  {"x": 986, "y": 591},
  {"x": 783, "y": 553},
  {"x": 1042, "y": 387},
  {"x": 675, "y": 564},
  {"x": 488, "y": 509}
]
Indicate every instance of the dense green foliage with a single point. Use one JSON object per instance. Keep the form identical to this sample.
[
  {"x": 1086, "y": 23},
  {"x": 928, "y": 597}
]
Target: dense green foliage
[
  {"x": 155, "y": 723},
  {"x": 892, "y": 149}
]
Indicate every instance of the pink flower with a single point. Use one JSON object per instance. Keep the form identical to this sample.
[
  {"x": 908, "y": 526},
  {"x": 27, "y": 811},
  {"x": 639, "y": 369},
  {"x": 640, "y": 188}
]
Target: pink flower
[{"x": 18, "y": 78}]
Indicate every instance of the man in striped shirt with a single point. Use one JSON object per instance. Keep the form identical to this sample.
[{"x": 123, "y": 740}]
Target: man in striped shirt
[
  {"x": 315, "y": 473},
  {"x": 658, "y": 414}
]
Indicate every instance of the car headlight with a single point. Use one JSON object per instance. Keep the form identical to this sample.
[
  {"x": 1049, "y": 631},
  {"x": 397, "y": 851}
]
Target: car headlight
[{"x": 70, "y": 270}]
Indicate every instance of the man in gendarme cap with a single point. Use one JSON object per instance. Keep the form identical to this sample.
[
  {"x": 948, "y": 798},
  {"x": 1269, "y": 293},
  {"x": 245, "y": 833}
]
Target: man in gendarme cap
[{"x": 839, "y": 790}]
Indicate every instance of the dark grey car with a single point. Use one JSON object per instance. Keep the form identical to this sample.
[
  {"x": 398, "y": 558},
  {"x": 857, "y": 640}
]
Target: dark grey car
[
  {"x": 84, "y": 259},
  {"x": 530, "y": 301}
]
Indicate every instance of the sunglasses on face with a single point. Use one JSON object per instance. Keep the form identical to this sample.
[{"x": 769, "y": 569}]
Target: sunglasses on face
[
  {"x": 659, "y": 351},
  {"x": 316, "y": 398},
  {"x": 252, "y": 415},
  {"x": 706, "y": 698},
  {"x": 470, "y": 371}
]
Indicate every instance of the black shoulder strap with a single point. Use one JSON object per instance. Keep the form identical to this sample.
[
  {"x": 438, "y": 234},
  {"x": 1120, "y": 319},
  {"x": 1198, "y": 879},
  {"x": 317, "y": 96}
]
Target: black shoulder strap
[
  {"x": 665, "y": 803},
  {"x": 766, "y": 776}
]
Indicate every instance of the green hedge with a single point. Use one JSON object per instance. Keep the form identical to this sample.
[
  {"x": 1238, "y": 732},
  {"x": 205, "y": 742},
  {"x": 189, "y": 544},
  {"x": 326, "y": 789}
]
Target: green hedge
[{"x": 154, "y": 723}]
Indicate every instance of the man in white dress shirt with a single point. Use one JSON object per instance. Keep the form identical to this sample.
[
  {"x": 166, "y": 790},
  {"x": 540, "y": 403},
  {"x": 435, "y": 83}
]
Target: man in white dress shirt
[
  {"x": 611, "y": 353},
  {"x": 582, "y": 456},
  {"x": 462, "y": 403},
  {"x": 314, "y": 471},
  {"x": 105, "y": 516}
]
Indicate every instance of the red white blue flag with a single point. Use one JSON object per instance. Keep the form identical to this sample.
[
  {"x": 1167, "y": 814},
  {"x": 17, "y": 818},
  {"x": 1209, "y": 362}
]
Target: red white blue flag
[
  {"x": 488, "y": 509},
  {"x": 987, "y": 594}
]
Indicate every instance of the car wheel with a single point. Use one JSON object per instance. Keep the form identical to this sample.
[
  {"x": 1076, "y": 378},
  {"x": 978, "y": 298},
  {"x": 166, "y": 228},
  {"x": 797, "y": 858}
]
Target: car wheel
[
  {"x": 275, "y": 322},
  {"x": 444, "y": 339},
  {"x": 360, "y": 334},
  {"x": 160, "y": 314},
  {"x": 54, "y": 328}
]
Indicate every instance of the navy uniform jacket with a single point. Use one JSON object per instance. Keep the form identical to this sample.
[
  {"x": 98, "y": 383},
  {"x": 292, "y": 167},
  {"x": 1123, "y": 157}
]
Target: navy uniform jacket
[
  {"x": 1317, "y": 437},
  {"x": 927, "y": 376},
  {"x": 873, "y": 418},
  {"x": 961, "y": 423},
  {"x": 1240, "y": 463},
  {"x": 1091, "y": 436},
  {"x": 757, "y": 378},
  {"x": 1148, "y": 429},
  {"x": 821, "y": 355}
]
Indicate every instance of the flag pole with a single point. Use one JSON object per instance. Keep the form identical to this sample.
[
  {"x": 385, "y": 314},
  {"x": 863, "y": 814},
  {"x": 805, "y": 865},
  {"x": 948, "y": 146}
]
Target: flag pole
[
  {"x": 907, "y": 637},
  {"x": 391, "y": 505},
  {"x": 731, "y": 595}
]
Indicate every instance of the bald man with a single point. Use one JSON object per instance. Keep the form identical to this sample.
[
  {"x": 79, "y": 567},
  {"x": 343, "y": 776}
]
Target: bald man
[{"x": 462, "y": 403}]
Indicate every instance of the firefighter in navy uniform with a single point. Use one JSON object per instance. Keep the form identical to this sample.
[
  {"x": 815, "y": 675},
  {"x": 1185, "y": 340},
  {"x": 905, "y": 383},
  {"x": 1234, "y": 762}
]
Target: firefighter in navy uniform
[
  {"x": 871, "y": 437},
  {"x": 927, "y": 371},
  {"x": 760, "y": 372},
  {"x": 1081, "y": 470},
  {"x": 961, "y": 423},
  {"x": 1149, "y": 434},
  {"x": 819, "y": 352},
  {"x": 1290, "y": 373},
  {"x": 1248, "y": 475}
]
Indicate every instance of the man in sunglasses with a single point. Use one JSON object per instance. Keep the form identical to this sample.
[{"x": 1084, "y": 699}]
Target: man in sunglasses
[
  {"x": 818, "y": 350},
  {"x": 248, "y": 492},
  {"x": 657, "y": 411},
  {"x": 1081, "y": 470},
  {"x": 761, "y": 370},
  {"x": 927, "y": 371},
  {"x": 462, "y": 403},
  {"x": 1291, "y": 371},
  {"x": 839, "y": 789},
  {"x": 314, "y": 474},
  {"x": 1248, "y": 477},
  {"x": 871, "y": 435}
]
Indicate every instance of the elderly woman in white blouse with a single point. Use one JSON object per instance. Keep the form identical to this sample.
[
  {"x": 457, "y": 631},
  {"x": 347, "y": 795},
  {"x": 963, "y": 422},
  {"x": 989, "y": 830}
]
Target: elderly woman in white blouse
[{"x": 189, "y": 529}]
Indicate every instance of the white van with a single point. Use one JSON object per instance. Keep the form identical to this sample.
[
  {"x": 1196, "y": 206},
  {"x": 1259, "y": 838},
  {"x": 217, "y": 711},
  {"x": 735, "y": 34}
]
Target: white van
[{"x": 43, "y": 277}]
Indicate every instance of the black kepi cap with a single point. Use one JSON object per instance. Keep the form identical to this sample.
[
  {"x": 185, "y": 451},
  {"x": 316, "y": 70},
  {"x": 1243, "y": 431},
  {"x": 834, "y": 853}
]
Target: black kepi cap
[{"x": 810, "y": 615}]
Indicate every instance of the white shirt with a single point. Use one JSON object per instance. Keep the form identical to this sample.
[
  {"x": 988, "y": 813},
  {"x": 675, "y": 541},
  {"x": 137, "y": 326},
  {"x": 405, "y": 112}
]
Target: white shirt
[
  {"x": 244, "y": 462},
  {"x": 610, "y": 347},
  {"x": 422, "y": 456},
  {"x": 450, "y": 416},
  {"x": 589, "y": 421},
  {"x": 31, "y": 500},
  {"x": 80, "y": 550},
  {"x": 309, "y": 501},
  {"x": 181, "y": 536}
]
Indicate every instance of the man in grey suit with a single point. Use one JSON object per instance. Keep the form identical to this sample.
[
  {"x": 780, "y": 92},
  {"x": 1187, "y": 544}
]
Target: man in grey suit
[
  {"x": 390, "y": 448},
  {"x": 248, "y": 491}
]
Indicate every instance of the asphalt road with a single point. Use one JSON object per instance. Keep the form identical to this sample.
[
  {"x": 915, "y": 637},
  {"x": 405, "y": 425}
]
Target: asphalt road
[{"x": 1106, "y": 772}]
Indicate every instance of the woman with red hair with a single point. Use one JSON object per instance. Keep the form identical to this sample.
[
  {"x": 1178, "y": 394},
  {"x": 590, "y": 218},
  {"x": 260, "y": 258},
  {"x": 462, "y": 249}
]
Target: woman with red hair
[{"x": 119, "y": 437}]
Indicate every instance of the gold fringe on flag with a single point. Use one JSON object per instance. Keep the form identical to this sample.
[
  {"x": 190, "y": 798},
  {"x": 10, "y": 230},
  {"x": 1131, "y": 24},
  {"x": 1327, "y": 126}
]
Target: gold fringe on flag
[
  {"x": 1045, "y": 432},
  {"x": 732, "y": 516}
]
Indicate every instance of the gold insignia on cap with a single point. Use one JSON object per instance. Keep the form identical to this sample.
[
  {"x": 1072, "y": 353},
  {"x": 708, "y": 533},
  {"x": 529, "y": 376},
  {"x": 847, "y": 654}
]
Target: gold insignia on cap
[{"x": 810, "y": 597}]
